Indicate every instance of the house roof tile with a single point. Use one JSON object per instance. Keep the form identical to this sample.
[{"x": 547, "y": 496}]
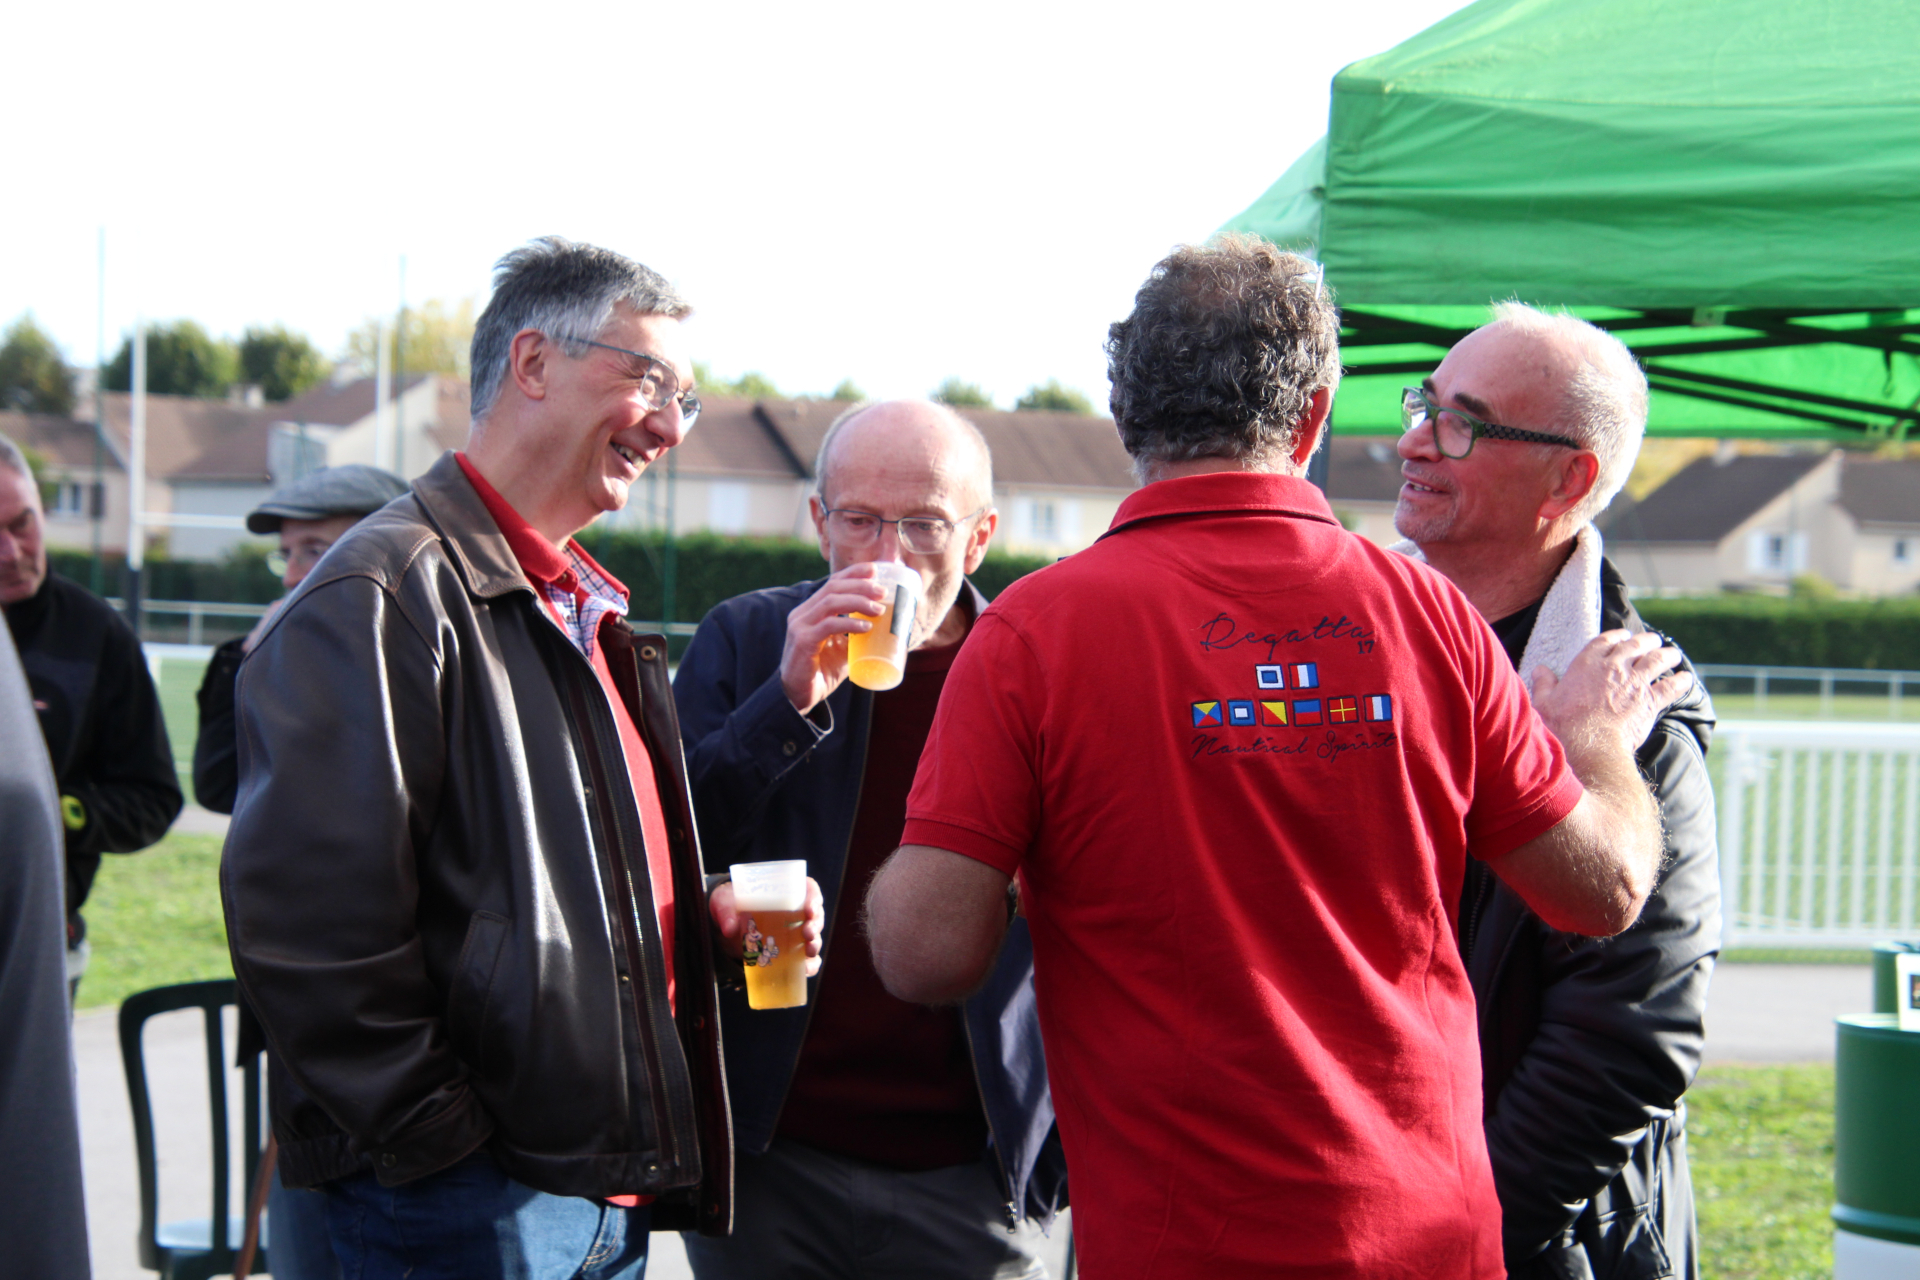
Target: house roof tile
[
  {"x": 1709, "y": 498},
  {"x": 1881, "y": 490}
]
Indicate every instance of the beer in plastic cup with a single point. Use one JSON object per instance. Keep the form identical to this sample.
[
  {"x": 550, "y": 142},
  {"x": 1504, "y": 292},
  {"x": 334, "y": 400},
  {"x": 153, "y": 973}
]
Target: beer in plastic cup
[
  {"x": 877, "y": 659},
  {"x": 773, "y": 896}
]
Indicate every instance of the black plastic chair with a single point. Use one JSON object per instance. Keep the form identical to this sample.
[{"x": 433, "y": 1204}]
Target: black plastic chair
[{"x": 199, "y": 1248}]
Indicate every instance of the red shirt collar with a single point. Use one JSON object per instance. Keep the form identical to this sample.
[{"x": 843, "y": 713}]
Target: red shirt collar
[
  {"x": 1221, "y": 492},
  {"x": 537, "y": 557}
]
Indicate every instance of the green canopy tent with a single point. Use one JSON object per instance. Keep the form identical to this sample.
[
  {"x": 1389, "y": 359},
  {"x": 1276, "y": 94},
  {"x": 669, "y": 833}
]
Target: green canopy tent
[{"x": 1732, "y": 187}]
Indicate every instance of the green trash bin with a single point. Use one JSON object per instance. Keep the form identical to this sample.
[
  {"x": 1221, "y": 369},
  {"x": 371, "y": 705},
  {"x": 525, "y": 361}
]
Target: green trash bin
[{"x": 1876, "y": 1139}]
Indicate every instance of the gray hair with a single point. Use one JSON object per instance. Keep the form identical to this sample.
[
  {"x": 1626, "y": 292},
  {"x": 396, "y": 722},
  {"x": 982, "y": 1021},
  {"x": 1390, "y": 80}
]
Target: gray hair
[
  {"x": 1225, "y": 348},
  {"x": 13, "y": 460},
  {"x": 970, "y": 432},
  {"x": 1603, "y": 406},
  {"x": 566, "y": 291}
]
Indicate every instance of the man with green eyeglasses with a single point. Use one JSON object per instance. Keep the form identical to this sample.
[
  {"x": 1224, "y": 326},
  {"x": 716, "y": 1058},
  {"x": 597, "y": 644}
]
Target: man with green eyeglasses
[
  {"x": 1525, "y": 432},
  {"x": 874, "y": 1136}
]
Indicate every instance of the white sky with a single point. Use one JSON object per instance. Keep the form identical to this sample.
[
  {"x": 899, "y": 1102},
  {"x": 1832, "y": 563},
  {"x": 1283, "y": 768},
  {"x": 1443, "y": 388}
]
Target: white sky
[{"x": 889, "y": 192}]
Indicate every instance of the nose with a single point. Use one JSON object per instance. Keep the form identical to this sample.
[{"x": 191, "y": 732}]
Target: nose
[
  {"x": 668, "y": 423},
  {"x": 1417, "y": 441},
  {"x": 296, "y": 570}
]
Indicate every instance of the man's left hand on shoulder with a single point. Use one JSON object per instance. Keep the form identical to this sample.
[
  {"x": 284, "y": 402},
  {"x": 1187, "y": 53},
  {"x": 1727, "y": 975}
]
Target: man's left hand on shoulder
[{"x": 1613, "y": 689}]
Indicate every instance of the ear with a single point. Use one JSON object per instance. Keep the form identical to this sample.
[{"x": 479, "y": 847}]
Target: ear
[
  {"x": 1312, "y": 426},
  {"x": 1573, "y": 479},
  {"x": 819, "y": 513},
  {"x": 529, "y": 359},
  {"x": 982, "y": 534}
]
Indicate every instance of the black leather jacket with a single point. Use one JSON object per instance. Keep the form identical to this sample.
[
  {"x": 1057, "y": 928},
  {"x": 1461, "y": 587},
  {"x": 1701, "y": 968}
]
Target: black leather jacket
[
  {"x": 432, "y": 875},
  {"x": 1588, "y": 1043}
]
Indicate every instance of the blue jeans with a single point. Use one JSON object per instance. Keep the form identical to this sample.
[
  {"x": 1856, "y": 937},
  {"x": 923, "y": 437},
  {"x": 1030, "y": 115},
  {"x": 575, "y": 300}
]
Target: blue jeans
[{"x": 472, "y": 1222}]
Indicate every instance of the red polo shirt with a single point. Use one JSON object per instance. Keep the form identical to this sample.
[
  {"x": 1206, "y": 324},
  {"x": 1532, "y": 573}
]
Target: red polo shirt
[
  {"x": 547, "y": 569},
  {"x": 1237, "y": 756}
]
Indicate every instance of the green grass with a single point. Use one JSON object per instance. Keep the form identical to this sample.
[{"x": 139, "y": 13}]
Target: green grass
[
  {"x": 179, "y": 681},
  {"x": 154, "y": 919},
  {"x": 1869, "y": 707},
  {"x": 1795, "y": 955},
  {"x": 1761, "y": 1141}
]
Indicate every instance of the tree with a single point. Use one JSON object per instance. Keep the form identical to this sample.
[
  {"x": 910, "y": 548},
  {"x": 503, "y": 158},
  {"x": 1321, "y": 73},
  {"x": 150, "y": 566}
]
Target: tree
[
  {"x": 33, "y": 377},
  {"x": 847, "y": 391},
  {"x": 437, "y": 338},
  {"x": 182, "y": 360},
  {"x": 748, "y": 386},
  {"x": 1054, "y": 398},
  {"x": 960, "y": 394},
  {"x": 281, "y": 362}
]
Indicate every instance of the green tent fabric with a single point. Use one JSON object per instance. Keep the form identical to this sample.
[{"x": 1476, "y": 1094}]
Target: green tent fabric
[{"x": 1733, "y": 187}]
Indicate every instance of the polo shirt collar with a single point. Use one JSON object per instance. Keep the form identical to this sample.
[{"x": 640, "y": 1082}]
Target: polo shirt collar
[
  {"x": 1224, "y": 492},
  {"x": 538, "y": 558}
]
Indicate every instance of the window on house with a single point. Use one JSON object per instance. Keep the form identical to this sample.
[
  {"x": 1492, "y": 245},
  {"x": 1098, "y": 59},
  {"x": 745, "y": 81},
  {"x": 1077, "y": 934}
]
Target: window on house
[
  {"x": 1781, "y": 553},
  {"x": 75, "y": 500},
  {"x": 1043, "y": 523},
  {"x": 1903, "y": 551}
]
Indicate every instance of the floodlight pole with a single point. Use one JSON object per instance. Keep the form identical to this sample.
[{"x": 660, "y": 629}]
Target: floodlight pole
[
  {"x": 137, "y": 475},
  {"x": 382, "y": 387}
]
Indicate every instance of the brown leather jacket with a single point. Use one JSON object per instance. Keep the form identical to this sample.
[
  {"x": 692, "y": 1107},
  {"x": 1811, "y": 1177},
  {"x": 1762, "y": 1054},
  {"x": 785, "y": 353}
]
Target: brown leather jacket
[{"x": 431, "y": 877}]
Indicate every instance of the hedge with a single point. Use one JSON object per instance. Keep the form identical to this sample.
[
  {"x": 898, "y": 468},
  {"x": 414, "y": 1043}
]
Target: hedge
[
  {"x": 708, "y": 568},
  {"x": 1771, "y": 631}
]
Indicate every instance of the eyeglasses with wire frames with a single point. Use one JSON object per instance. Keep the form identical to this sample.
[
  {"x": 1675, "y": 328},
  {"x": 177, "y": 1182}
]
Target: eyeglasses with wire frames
[
  {"x": 1454, "y": 432},
  {"x": 658, "y": 385},
  {"x": 922, "y": 535},
  {"x": 306, "y": 553}
]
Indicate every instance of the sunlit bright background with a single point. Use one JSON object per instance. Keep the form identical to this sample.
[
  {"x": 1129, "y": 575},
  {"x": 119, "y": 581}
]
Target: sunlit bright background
[{"x": 890, "y": 193}]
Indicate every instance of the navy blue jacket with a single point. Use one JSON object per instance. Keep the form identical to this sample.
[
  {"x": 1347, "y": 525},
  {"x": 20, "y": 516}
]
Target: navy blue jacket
[{"x": 769, "y": 783}]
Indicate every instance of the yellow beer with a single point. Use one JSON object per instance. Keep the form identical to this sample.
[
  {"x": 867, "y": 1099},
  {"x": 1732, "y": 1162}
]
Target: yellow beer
[
  {"x": 773, "y": 897},
  {"x": 877, "y": 659},
  {"x": 776, "y": 960}
]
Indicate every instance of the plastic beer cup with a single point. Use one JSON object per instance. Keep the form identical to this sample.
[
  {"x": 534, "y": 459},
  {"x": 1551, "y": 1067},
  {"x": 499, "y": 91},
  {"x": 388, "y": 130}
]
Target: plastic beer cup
[
  {"x": 773, "y": 896},
  {"x": 877, "y": 659}
]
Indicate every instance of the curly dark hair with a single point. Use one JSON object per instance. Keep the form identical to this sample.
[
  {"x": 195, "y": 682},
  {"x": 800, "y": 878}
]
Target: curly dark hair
[{"x": 1225, "y": 347}]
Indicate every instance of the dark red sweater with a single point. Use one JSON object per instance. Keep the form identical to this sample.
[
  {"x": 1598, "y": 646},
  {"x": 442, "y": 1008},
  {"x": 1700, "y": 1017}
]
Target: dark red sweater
[{"x": 878, "y": 1078}]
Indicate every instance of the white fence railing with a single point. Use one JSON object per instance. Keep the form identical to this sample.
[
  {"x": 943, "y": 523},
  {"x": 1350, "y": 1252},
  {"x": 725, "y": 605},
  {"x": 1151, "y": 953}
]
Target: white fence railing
[
  {"x": 1802, "y": 682},
  {"x": 1819, "y": 831}
]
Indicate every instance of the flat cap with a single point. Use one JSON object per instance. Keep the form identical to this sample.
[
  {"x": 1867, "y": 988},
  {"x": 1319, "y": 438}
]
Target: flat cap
[{"x": 353, "y": 490}]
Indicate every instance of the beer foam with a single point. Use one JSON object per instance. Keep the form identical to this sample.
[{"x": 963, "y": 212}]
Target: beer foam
[{"x": 769, "y": 886}]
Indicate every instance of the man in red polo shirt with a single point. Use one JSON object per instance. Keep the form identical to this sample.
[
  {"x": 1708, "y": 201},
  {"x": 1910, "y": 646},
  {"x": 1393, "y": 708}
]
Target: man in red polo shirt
[
  {"x": 462, "y": 885},
  {"x": 1236, "y": 757}
]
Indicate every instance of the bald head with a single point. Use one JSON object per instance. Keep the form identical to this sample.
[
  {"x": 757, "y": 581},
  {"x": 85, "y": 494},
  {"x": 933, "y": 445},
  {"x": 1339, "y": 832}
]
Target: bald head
[{"x": 914, "y": 438}]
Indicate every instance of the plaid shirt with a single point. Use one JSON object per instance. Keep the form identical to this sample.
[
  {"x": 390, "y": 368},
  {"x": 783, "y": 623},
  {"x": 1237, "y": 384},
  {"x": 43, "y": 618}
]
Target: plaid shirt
[{"x": 583, "y": 595}]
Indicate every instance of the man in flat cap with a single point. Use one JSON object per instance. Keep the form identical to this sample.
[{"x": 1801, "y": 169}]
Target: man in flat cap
[{"x": 309, "y": 515}]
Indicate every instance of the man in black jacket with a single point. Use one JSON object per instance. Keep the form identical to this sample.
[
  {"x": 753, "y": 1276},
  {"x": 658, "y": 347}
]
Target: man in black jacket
[
  {"x": 98, "y": 708},
  {"x": 1524, "y": 432}
]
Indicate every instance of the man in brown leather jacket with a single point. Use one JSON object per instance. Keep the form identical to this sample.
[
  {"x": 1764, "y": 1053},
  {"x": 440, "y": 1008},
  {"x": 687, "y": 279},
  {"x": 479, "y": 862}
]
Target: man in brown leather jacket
[{"x": 462, "y": 885}]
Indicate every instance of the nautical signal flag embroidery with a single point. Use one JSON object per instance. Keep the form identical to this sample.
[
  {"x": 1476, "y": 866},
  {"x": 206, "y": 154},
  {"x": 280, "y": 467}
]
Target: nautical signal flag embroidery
[
  {"x": 1273, "y": 714},
  {"x": 1306, "y": 675},
  {"x": 1240, "y": 712},
  {"x": 1270, "y": 675},
  {"x": 1306, "y": 711},
  {"x": 1378, "y": 706},
  {"x": 1206, "y": 714},
  {"x": 1342, "y": 710}
]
